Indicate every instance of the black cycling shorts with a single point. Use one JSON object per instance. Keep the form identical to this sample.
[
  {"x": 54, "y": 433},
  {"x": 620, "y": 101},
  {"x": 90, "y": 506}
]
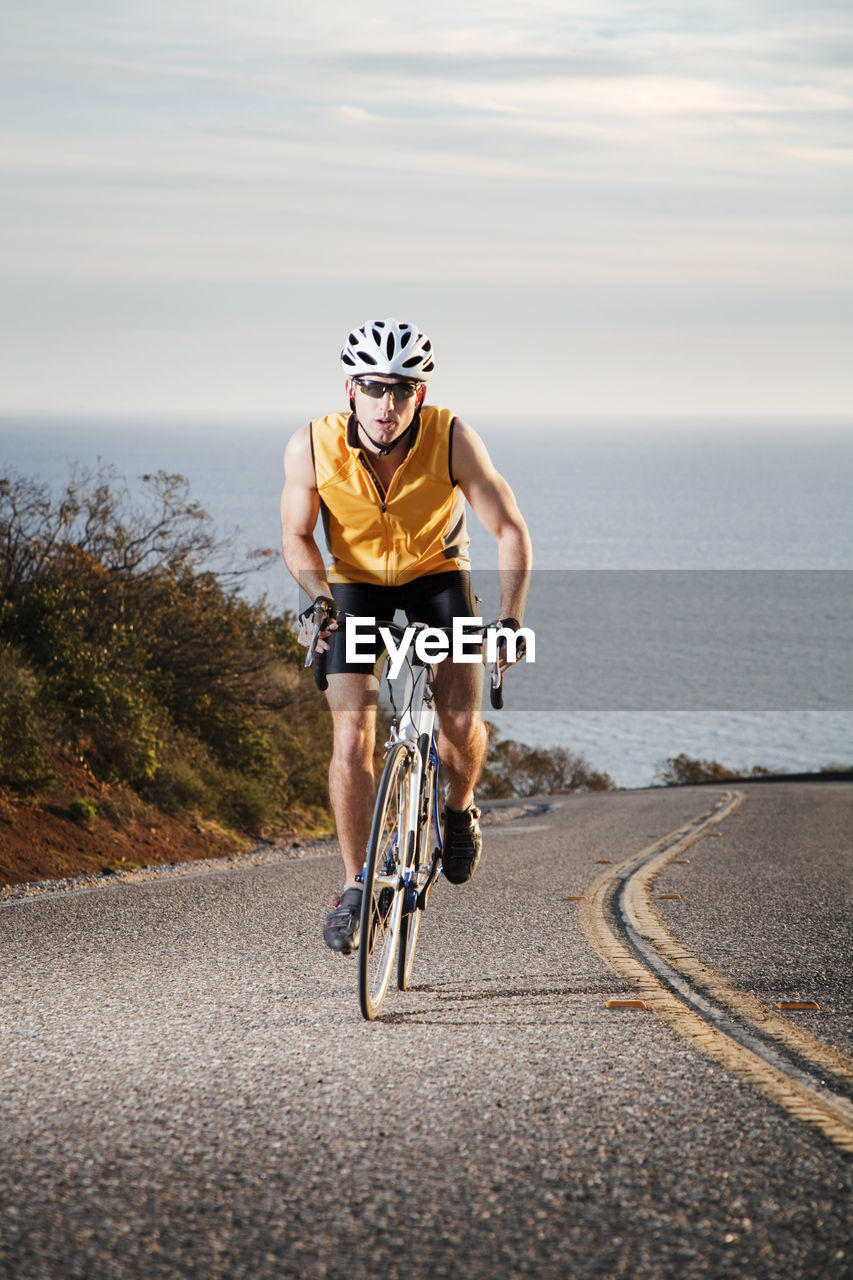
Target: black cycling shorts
[{"x": 435, "y": 599}]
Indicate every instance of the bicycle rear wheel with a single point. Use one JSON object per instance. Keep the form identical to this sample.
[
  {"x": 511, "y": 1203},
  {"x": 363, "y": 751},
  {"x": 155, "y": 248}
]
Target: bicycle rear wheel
[
  {"x": 382, "y": 903},
  {"x": 411, "y": 920}
]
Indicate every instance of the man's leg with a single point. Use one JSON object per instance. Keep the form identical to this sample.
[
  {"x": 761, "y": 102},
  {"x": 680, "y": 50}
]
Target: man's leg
[
  {"x": 352, "y": 700},
  {"x": 464, "y": 738},
  {"x": 463, "y": 741}
]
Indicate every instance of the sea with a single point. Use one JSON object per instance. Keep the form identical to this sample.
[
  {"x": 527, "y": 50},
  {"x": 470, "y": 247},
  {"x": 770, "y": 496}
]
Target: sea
[{"x": 692, "y": 590}]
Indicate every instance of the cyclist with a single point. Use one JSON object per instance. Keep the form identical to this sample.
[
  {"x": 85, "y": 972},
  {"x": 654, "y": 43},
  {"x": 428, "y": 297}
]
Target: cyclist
[{"x": 390, "y": 479}]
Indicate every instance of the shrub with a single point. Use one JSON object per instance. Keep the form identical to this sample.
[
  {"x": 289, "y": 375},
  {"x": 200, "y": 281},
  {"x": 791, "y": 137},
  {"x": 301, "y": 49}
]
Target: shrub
[
  {"x": 151, "y": 667},
  {"x": 178, "y": 788},
  {"x": 514, "y": 769},
  {"x": 83, "y": 811},
  {"x": 23, "y": 758},
  {"x": 249, "y": 805},
  {"x": 682, "y": 771}
]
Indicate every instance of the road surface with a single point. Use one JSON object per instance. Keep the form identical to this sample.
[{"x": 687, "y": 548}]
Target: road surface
[{"x": 188, "y": 1088}]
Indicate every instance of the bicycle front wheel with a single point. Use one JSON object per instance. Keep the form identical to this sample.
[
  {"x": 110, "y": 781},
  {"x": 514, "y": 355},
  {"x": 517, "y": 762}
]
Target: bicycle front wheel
[
  {"x": 382, "y": 902},
  {"x": 418, "y": 876}
]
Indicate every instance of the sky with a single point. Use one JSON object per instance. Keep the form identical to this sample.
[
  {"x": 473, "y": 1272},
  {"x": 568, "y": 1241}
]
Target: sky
[{"x": 594, "y": 207}]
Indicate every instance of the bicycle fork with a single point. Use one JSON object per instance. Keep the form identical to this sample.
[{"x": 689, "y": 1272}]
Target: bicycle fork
[
  {"x": 414, "y": 784},
  {"x": 419, "y": 808}
]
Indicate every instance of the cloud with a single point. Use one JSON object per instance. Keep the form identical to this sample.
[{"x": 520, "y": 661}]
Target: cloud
[
  {"x": 355, "y": 115},
  {"x": 564, "y": 144}
]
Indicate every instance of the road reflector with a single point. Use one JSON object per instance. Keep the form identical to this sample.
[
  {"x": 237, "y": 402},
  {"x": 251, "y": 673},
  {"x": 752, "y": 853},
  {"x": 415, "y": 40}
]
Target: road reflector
[
  {"x": 715, "y": 835},
  {"x": 625, "y": 1004},
  {"x": 797, "y": 1004},
  {"x": 608, "y": 861},
  {"x": 575, "y": 897},
  {"x": 681, "y": 862},
  {"x": 669, "y": 895}
]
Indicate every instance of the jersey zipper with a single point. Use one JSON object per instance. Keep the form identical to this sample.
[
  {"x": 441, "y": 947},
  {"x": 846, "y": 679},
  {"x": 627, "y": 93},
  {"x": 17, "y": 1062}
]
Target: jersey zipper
[
  {"x": 382, "y": 495},
  {"x": 377, "y": 483}
]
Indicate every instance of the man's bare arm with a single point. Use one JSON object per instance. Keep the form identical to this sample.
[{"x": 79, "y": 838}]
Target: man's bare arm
[
  {"x": 494, "y": 504},
  {"x": 300, "y": 507}
]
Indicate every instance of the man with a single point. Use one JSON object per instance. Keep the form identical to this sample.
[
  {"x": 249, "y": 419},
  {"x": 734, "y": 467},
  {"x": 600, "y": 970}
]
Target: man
[{"x": 390, "y": 479}]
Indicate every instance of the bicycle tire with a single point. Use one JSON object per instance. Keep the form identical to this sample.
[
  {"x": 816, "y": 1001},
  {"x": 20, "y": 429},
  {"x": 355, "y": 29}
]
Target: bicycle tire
[
  {"x": 411, "y": 921},
  {"x": 382, "y": 900}
]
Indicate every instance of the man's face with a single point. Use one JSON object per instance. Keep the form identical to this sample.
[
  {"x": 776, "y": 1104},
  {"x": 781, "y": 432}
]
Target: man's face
[{"x": 387, "y": 415}]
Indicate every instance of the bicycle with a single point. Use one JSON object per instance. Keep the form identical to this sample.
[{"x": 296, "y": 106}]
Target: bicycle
[{"x": 403, "y": 859}]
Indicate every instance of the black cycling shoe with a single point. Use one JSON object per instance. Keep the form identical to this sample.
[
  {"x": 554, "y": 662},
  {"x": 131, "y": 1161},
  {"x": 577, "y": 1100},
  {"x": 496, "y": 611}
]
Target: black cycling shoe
[
  {"x": 342, "y": 926},
  {"x": 462, "y": 843}
]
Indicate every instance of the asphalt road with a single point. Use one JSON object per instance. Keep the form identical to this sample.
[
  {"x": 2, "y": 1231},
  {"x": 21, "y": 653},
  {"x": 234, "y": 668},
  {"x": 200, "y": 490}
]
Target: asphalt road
[{"x": 188, "y": 1088}]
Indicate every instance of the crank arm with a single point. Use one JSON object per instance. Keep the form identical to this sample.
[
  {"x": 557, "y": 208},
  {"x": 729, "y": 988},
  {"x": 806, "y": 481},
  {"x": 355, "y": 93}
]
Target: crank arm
[{"x": 435, "y": 868}]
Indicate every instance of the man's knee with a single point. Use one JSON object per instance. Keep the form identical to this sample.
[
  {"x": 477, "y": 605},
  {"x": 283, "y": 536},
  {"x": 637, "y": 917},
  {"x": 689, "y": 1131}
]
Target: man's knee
[
  {"x": 463, "y": 727},
  {"x": 459, "y": 691},
  {"x": 353, "y": 744}
]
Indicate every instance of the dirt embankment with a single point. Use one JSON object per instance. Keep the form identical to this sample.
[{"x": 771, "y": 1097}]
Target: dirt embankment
[{"x": 55, "y": 836}]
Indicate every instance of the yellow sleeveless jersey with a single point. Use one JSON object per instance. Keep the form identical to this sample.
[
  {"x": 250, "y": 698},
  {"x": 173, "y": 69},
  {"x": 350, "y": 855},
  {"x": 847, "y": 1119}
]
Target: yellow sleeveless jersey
[{"x": 387, "y": 538}]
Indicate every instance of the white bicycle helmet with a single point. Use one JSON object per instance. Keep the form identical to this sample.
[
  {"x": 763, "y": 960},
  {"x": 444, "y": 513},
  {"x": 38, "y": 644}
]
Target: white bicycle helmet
[{"x": 388, "y": 346}]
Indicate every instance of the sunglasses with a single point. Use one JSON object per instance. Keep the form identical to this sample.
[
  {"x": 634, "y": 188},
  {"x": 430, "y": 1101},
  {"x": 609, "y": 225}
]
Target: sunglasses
[{"x": 376, "y": 390}]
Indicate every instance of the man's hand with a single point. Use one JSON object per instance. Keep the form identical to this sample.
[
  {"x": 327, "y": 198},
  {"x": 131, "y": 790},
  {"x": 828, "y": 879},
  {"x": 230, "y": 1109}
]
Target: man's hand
[
  {"x": 322, "y": 613},
  {"x": 508, "y": 624}
]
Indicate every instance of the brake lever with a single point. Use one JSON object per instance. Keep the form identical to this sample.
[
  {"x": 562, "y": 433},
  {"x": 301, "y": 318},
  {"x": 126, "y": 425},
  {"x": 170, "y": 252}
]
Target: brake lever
[{"x": 313, "y": 644}]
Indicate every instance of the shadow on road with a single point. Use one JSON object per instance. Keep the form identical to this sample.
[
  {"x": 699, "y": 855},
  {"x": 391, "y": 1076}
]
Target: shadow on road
[{"x": 544, "y": 1003}]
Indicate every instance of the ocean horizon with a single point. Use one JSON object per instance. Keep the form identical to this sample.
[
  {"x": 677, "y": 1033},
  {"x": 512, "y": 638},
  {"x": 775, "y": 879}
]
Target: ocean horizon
[{"x": 601, "y": 501}]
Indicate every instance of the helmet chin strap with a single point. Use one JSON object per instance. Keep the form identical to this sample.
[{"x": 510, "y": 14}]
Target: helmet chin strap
[{"x": 385, "y": 449}]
